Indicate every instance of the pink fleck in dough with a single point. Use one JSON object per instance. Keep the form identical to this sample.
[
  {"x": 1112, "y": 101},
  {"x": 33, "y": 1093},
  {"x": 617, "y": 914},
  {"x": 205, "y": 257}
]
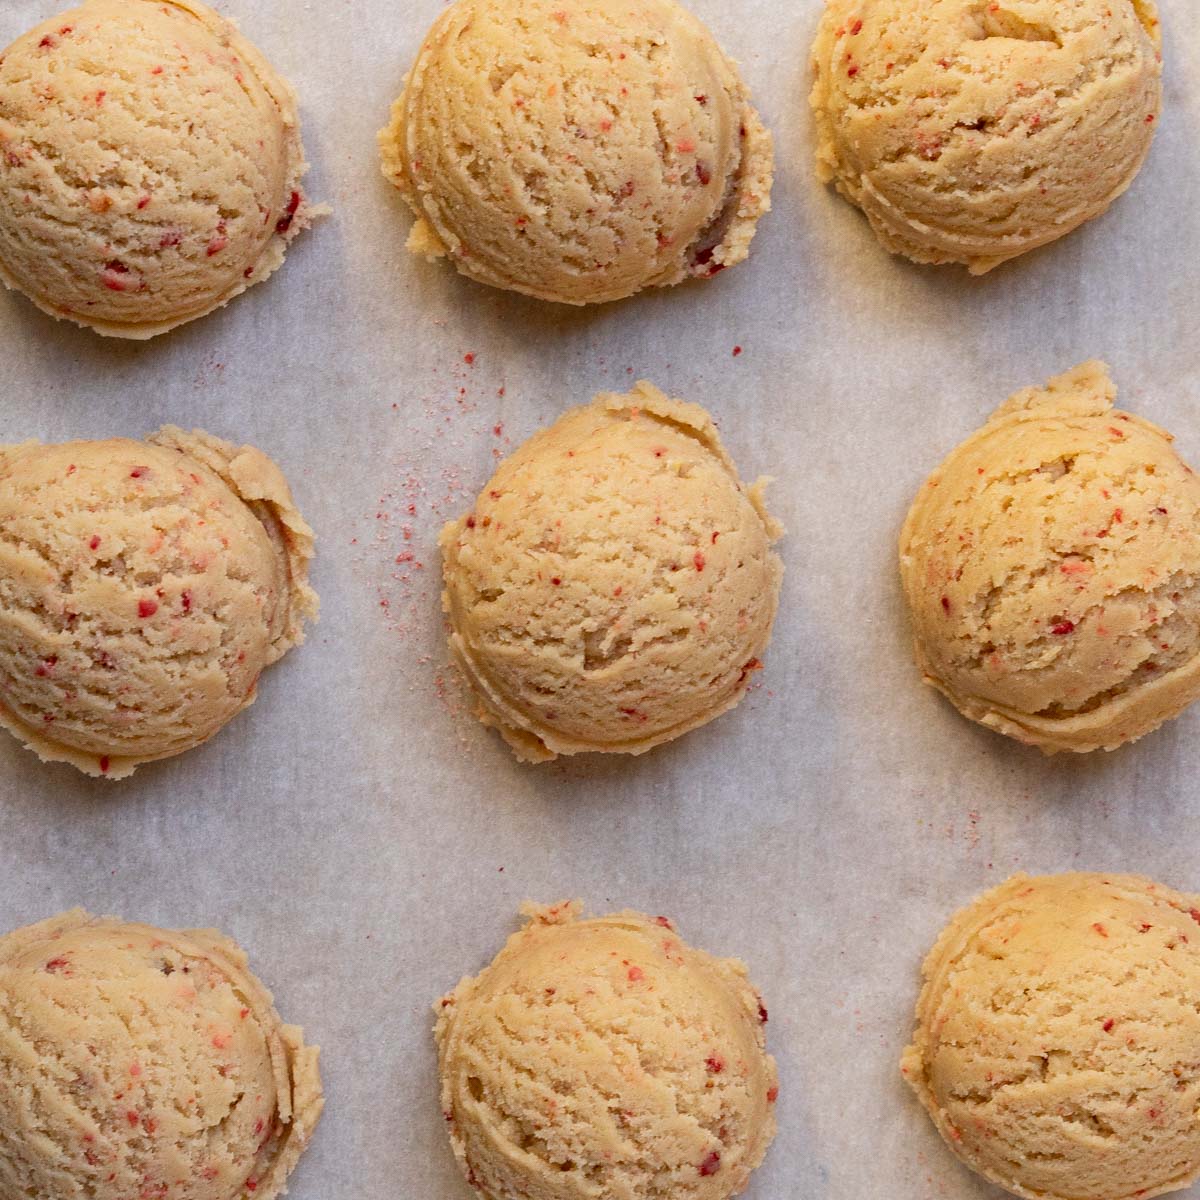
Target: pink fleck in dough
[
  {"x": 579, "y": 1066},
  {"x": 164, "y": 194},
  {"x": 578, "y": 150},
  {"x": 591, "y": 606},
  {"x": 1057, "y": 1037},
  {"x": 973, "y": 131},
  {"x": 1052, "y": 570},
  {"x": 144, "y": 586},
  {"x": 112, "y": 1027}
]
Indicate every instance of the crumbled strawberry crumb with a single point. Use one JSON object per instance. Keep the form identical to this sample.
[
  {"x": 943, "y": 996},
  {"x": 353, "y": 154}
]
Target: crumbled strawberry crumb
[
  {"x": 55, "y": 965},
  {"x": 773, "y": 1093},
  {"x": 699, "y": 560},
  {"x": 715, "y": 1063},
  {"x": 762, "y": 1012},
  {"x": 737, "y": 352},
  {"x": 251, "y": 1185},
  {"x": 1194, "y": 913},
  {"x": 703, "y": 174},
  {"x": 104, "y": 764},
  {"x": 1108, "y": 1025},
  {"x": 289, "y": 215},
  {"x": 1063, "y": 628},
  {"x": 139, "y": 472},
  {"x": 471, "y": 521},
  {"x": 186, "y": 601},
  {"x": 1100, "y": 929},
  {"x": 556, "y": 581},
  {"x": 147, "y": 608},
  {"x": 133, "y": 1118},
  {"x": 856, "y": 28},
  {"x": 635, "y": 974},
  {"x": 711, "y": 1164},
  {"x": 946, "y": 605},
  {"x": 469, "y": 359}
]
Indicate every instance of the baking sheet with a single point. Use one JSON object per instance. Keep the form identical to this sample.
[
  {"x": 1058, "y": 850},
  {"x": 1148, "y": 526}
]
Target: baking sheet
[{"x": 369, "y": 843}]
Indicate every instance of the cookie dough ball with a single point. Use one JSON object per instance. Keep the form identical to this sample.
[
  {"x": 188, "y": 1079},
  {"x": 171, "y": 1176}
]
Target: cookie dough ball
[
  {"x": 578, "y": 150},
  {"x": 143, "y": 1062},
  {"x": 143, "y": 588},
  {"x": 1058, "y": 1037},
  {"x": 150, "y": 165},
  {"x": 614, "y": 585},
  {"x": 1052, "y": 567},
  {"x": 605, "y": 1059},
  {"x": 973, "y": 132}
]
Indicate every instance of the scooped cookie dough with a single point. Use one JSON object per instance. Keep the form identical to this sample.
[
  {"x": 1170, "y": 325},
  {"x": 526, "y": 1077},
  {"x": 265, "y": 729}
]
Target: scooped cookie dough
[
  {"x": 150, "y": 165},
  {"x": 144, "y": 586},
  {"x": 614, "y": 585},
  {"x": 142, "y": 1062},
  {"x": 1057, "y": 1046},
  {"x": 605, "y": 1059},
  {"x": 578, "y": 150},
  {"x": 1052, "y": 568},
  {"x": 972, "y": 132}
]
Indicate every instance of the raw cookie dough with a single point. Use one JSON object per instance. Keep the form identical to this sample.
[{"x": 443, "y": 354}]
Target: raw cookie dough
[
  {"x": 578, "y": 150},
  {"x": 143, "y": 588},
  {"x": 141, "y": 1062},
  {"x": 150, "y": 165},
  {"x": 1052, "y": 568},
  {"x": 614, "y": 585},
  {"x": 972, "y": 132},
  {"x": 605, "y": 1059},
  {"x": 1057, "y": 1046}
]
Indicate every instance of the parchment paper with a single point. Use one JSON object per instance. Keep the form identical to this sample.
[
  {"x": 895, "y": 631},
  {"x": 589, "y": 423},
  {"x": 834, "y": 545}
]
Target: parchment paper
[{"x": 369, "y": 843}]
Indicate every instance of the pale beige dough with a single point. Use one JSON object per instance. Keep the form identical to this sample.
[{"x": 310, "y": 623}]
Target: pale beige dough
[
  {"x": 1057, "y": 1045},
  {"x": 605, "y": 1059},
  {"x": 972, "y": 131},
  {"x": 144, "y": 586},
  {"x": 143, "y": 1062},
  {"x": 150, "y": 165},
  {"x": 578, "y": 150},
  {"x": 614, "y": 585},
  {"x": 1052, "y": 570}
]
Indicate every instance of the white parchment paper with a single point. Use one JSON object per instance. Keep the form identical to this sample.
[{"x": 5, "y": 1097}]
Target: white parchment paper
[{"x": 369, "y": 843}]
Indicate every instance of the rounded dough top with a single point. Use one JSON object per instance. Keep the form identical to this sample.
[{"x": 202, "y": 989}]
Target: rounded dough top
[
  {"x": 601, "y": 1059},
  {"x": 614, "y": 585},
  {"x": 143, "y": 1062},
  {"x": 143, "y": 588},
  {"x": 578, "y": 150},
  {"x": 1052, "y": 568},
  {"x": 970, "y": 131},
  {"x": 150, "y": 165},
  {"x": 1058, "y": 1041}
]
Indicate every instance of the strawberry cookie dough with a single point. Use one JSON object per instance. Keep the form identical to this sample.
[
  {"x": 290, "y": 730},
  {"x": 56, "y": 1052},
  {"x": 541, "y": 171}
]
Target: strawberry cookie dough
[
  {"x": 140, "y": 1062},
  {"x": 1057, "y": 1046},
  {"x": 605, "y": 1059},
  {"x": 143, "y": 588},
  {"x": 1052, "y": 568},
  {"x": 578, "y": 150},
  {"x": 150, "y": 165},
  {"x": 971, "y": 132},
  {"x": 614, "y": 585}
]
